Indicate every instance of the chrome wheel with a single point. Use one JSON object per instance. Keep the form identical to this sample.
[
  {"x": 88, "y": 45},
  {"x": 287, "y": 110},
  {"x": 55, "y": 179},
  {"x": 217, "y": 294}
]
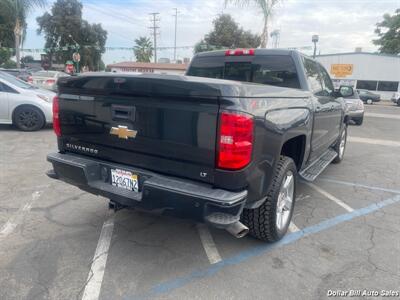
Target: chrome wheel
[
  {"x": 342, "y": 144},
  {"x": 284, "y": 204},
  {"x": 369, "y": 101}
]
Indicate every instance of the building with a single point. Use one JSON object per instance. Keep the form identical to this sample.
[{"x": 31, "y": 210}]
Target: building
[
  {"x": 378, "y": 73},
  {"x": 141, "y": 67}
]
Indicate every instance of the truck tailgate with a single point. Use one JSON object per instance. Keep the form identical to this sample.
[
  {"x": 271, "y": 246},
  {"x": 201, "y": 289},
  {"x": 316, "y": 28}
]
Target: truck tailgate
[{"x": 160, "y": 124}]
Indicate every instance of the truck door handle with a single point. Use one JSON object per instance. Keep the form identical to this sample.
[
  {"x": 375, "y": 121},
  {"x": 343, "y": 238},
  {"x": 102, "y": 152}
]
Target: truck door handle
[{"x": 122, "y": 112}]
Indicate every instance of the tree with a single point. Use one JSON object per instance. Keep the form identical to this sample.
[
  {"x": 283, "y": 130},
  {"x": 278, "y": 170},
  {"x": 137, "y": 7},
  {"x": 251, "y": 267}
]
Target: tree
[
  {"x": 266, "y": 7},
  {"x": 66, "y": 32},
  {"x": 227, "y": 34},
  {"x": 18, "y": 11},
  {"x": 143, "y": 49},
  {"x": 388, "y": 32}
]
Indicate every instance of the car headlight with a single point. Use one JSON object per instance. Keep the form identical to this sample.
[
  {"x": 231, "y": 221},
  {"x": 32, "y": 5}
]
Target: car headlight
[{"x": 44, "y": 98}]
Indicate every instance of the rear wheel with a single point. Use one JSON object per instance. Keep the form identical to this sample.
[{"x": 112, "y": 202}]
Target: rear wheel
[
  {"x": 28, "y": 118},
  {"x": 340, "y": 145},
  {"x": 369, "y": 101},
  {"x": 398, "y": 102},
  {"x": 270, "y": 221}
]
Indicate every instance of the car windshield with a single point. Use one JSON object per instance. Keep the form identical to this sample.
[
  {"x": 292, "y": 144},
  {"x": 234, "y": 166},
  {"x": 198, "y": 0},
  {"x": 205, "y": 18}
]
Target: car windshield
[{"x": 15, "y": 81}]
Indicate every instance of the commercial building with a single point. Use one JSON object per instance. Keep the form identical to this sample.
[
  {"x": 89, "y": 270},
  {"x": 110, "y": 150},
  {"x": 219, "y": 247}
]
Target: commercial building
[
  {"x": 141, "y": 67},
  {"x": 378, "y": 73}
]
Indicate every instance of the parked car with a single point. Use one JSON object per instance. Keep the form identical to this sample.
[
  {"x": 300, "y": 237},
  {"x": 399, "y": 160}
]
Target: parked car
[
  {"x": 354, "y": 105},
  {"x": 47, "y": 79},
  {"x": 23, "y": 74},
  {"x": 396, "y": 98},
  {"x": 27, "y": 107},
  {"x": 224, "y": 152},
  {"x": 368, "y": 97}
]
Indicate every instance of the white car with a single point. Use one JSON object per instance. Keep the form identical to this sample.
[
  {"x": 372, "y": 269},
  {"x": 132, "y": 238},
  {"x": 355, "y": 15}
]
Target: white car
[
  {"x": 46, "y": 79},
  {"x": 27, "y": 107},
  {"x": 396, "y": 98}
]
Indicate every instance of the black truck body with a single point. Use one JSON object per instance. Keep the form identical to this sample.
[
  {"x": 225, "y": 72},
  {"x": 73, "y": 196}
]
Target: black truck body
[{"x": 168, "y": 131}]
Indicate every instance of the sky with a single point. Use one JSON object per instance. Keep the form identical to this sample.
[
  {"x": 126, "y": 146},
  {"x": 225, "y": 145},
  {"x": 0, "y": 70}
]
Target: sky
[{"x": 342, "y": 25}]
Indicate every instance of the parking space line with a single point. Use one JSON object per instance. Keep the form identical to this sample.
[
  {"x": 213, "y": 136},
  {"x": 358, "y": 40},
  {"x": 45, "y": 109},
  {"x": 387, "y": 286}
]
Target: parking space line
[
  {"x": 208, "y": 243},
  {"x": 357, "y": 139},
  {"x": 15, "y": 220},
  {"x": 355, "y": 184},
  {"x": 330, "y": 196},
  {"x": 243, "y": 256},
  {"x": 386, "y": 116},
  {"x": 293, "y": 227},
  {"x": 96, "y": 273}
]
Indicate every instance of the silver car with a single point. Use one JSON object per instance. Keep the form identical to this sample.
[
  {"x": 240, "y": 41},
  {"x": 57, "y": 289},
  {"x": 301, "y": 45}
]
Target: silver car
[
  {"x": 355, "y": 108},
  {"x": 46, "y": 79},
  {"x": 27, "y": 107}
]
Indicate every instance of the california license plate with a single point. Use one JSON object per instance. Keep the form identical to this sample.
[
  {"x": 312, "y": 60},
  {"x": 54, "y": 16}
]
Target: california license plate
[{"x": 125, "y": 180}]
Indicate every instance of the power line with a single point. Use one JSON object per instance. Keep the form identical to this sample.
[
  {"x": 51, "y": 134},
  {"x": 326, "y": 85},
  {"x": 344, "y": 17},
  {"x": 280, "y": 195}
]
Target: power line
[
  {"x": 106, "y": 11},
  {"x": 155, "y": 28}
]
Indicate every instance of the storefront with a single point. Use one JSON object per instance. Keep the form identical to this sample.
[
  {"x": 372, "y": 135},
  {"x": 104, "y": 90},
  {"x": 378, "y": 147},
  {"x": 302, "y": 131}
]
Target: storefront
[{"x": 379, "y": 73}]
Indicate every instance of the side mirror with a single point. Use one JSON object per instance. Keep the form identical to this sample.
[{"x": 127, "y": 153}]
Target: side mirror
[{"x": 346, "y": 91}]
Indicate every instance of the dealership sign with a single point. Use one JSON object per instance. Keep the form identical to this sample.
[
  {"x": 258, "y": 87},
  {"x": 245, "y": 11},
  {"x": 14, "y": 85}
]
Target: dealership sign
[{"x": 341, "y": 70}]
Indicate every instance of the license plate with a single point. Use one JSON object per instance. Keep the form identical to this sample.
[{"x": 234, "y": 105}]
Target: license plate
[{"x": 125, "y": 180}]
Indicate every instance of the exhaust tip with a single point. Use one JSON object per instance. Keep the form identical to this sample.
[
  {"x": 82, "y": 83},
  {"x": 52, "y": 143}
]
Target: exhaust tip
[{"x": 238, "y": 230}]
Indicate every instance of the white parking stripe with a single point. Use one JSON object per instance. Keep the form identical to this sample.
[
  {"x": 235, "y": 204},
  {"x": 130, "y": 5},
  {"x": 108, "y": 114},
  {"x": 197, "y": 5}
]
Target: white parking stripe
[
  {"x": 208, "y": 244},
  {"x": 96, "y": 274},
  {"x": 15, "y": 220},
  {"x": 330, "y": 196},
  {"x": 293, "y": 227},
  {"x": 356, "y": 139},
  {"x": 386, "y": 116}
]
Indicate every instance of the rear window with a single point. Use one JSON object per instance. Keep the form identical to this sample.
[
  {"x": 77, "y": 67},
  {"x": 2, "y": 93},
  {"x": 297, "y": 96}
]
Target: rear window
[{"x": 278, "y": 70}]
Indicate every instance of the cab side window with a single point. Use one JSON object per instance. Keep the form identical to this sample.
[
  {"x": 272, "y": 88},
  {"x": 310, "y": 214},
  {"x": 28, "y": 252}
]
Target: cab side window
[
  {"x": 313, "y": 76},
  {"x": 326, "y": 82}
]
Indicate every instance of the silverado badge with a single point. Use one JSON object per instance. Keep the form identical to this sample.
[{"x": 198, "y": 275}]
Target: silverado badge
[{"x": 123, "y": 132}]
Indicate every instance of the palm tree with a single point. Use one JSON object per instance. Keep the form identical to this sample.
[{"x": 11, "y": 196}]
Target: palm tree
[
  {"x": 266, "y": 7},
  {"x": 19, "y": 9},
  {"x": 143, "y": 49}
]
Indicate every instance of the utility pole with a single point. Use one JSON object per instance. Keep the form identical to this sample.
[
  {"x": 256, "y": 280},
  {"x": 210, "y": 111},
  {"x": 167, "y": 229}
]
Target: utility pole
[
  {"x": 155, "y": 28},
  {"x": 176, "y": 23}
]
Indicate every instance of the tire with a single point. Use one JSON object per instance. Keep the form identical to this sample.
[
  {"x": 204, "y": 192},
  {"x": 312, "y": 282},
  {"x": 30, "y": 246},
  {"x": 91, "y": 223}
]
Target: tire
[
  {"x": 358, "y": 121},
  {"x": 28, "y": 118},
  {"x": 398, "y": 102},
  {"x": 370, "y": 101},
  {"x": 263, "y": 220},
  {"x": 337, "y": 147}
]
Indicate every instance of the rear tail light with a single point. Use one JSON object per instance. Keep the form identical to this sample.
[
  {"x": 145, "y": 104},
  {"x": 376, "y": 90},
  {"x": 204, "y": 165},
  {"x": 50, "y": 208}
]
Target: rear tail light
[
  {"x": 50, "y": 81},
  {"x": 56, "y": 117},
  {"x": 235, "y": 140},
  {"x": 239, "y": 52}
]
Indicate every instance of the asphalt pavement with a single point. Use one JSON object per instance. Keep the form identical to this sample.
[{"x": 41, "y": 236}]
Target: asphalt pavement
[{"x": 58, "y": 242}]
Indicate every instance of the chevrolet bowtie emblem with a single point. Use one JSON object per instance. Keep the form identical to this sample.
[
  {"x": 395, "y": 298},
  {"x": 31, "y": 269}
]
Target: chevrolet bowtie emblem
[{"x": 123, "y": 132}]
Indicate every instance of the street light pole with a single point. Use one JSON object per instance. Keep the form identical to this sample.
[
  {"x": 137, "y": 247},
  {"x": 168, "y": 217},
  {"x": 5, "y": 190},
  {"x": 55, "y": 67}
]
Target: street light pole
[{"x": 315, "y": 39}]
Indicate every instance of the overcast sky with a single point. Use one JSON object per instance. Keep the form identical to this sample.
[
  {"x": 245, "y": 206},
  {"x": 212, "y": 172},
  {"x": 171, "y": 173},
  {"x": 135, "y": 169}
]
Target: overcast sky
[{"x": 341, "y": 25}]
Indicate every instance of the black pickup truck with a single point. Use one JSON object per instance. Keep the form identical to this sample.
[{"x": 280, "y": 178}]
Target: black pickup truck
[{"x": 224, "y": 144}]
